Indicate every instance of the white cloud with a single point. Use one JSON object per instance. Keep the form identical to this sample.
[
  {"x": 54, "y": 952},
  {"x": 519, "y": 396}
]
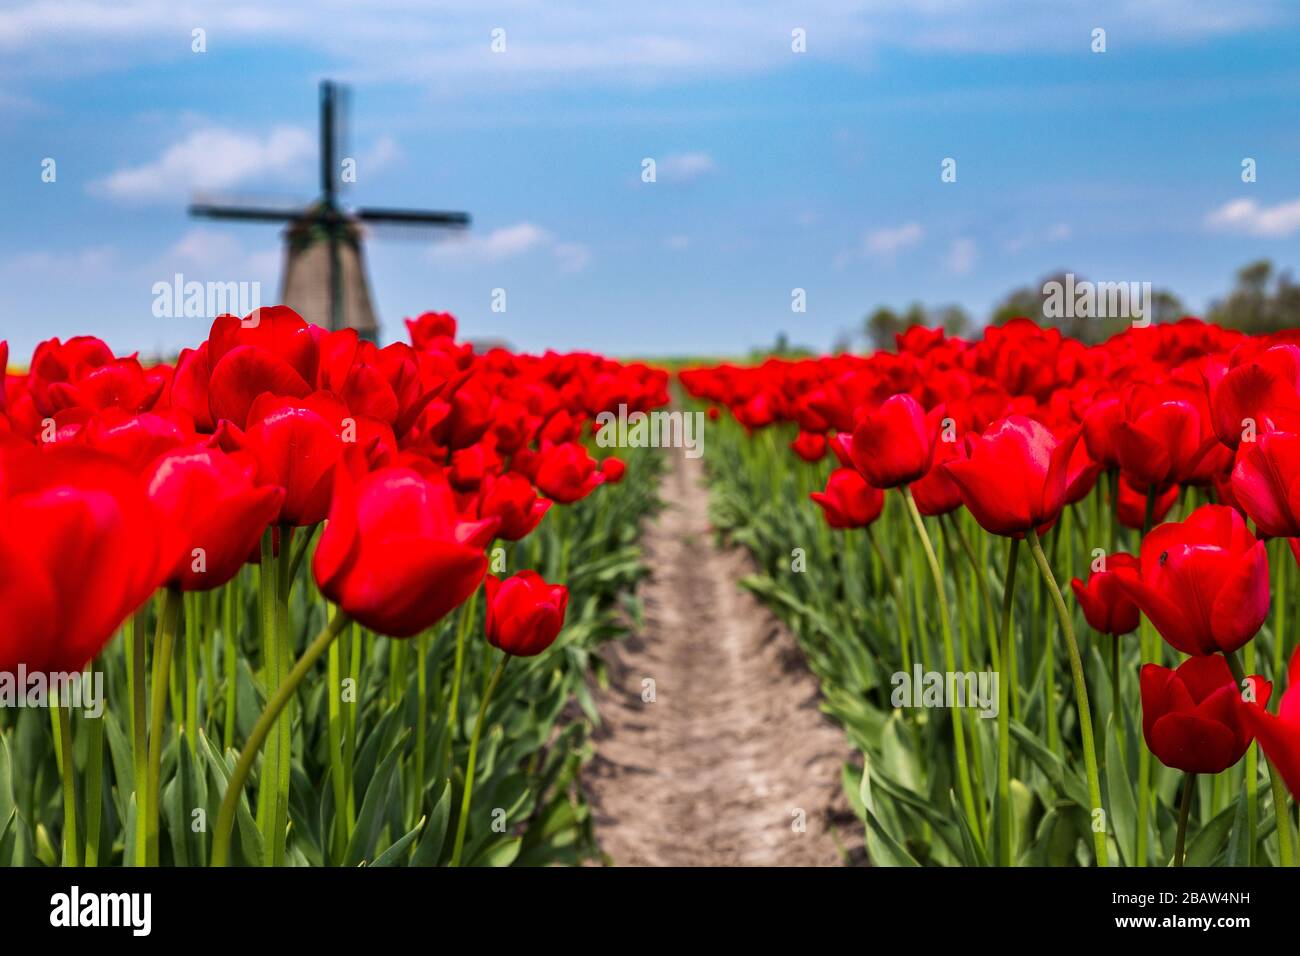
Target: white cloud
[
  {"x": 1059, "y": 232},
  {"x": 76, "y": 262},
  {"x": 962, "y": 255},
  {"x": 216, "y": 252},
  {"x": 1247, "y": 217},
  {"x": 684, "y": 167},
  {"x": 570, "y": 41},
  {"x": 509, "y": 242},
  {"x": 677, "y": 243},
  {"x": 212, "y": 158},
  {"x": 888, "y": 242}
]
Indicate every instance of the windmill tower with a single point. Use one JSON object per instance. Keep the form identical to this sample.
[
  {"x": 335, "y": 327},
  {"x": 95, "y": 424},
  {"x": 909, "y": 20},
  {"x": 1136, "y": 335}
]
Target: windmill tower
[{"x": 324, "y": 278}]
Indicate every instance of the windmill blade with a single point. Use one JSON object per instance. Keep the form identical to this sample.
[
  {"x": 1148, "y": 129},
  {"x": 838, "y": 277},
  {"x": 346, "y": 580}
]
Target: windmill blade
[
  {"x": 246, "y": 213},
  {"x": 414, "y": 217},
  {"x": 342, "y": 135}
]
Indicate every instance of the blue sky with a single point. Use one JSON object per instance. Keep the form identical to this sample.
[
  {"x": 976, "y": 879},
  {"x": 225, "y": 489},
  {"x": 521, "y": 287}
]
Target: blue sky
[{"x": 776, "y": 170}]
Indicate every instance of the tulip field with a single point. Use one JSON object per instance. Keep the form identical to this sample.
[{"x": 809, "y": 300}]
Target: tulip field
[
  {"x": 1047, "y": 588},
  {"x": 284, "y": 603},
  {"x": 295, "y": 599}
]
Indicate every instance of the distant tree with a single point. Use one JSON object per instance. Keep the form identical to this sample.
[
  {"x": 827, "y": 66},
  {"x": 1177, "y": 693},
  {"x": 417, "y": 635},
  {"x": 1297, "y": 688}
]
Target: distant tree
[
  {"x": 1259, "y": 303},
  {"x": 1027, "y": 301},
  {"x": 881, "y": 326}
]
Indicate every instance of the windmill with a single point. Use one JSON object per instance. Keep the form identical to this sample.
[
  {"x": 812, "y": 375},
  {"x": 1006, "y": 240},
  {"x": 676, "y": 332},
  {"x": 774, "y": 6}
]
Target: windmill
[{"x": 324, "y": 276}]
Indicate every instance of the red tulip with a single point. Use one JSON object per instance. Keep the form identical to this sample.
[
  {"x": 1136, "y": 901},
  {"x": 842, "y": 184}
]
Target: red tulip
[
  {"x": 212, "y": 513},
  {"x": 894, "y": 444},
  {"x": 567, "y": 472},
  {"x": 79, "y": 553},
  {"x": 810, "y": 446},
  {"x": 1015, "y": 477},
  {"x": 1193, "y": 718},
  {"x": 511, "y": 498},
  {"x": 296, "y": 443},
  {"x": 397, "y": 555},
  {"x": 524, "y": 613},
  {"x": 1266, "y": 483},
  {"x": 1256, "y": 396},
  {"x": 1106, "y": 605},
  {"x": 848, "y": 501},
  {"x": 270, "y": 350},
  {"x": 1203, "y": 582},
  {"x": 613, "y": 468},
  {"x": 1280, "y": 735},
  {"x": 936, "y": 494}
]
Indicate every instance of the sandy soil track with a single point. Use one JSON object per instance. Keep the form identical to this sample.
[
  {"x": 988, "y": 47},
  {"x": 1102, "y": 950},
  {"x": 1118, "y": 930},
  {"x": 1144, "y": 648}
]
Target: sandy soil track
[{"x": 713, "y": 771}]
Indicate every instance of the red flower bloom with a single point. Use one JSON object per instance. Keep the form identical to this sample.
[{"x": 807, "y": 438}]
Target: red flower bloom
[
  {"x": 1280, "y": 735},
  {"x": 613, "y": 468},
  {"x": 1193, "y": 718},
  {"x": 271, "y": 350},
  {"x": 524, "y": 613},
  {"x": 212, "y": 513},
  {"x": 79, "y": 552},
  {"x": 1203, "y": 582},
  {"x": 810, "y": 446},
  {"x": 936, "y": 494},
  {"x": 512, "y": 499},
  {"x": 1258, "y": 395},
  {"x": 1015, "y": 477},
  {"x": 1266, "y": 483},
  {"x": 1107, "y": 606},
  {"x": 296, "y": 444},
  {"x": 894, "y": 444},
  {"x": 396, "y": 554},
  {"x": 567, "y": 472},
  {"x": 848, "y": 501}
]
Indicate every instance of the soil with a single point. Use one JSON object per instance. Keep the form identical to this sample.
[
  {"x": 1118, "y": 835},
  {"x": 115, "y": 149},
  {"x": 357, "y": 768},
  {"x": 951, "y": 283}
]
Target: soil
[{"x": 733, "y": 753}]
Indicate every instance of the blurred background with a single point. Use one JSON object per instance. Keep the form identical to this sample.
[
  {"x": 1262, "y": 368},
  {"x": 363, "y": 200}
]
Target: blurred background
[{"x": 795, "y": 147}]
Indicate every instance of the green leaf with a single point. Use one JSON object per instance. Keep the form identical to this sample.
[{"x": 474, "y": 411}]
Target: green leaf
[
  {"x": 8, "y": 805},
  {"x": 1066, "y": 782},
  {"x": 974, "y": 854},
  {"x": 1123, "y": 803},
  {"x": 250, "y": 838},
  {"x": 370, "y": 818},
  {"x": 882, "y": 848},
  {"x": 393, "y": 855},
  {"x": 1205, "y": 846},
  {"x": 499, "y": 854},
  {"x": 1239, "y": 841}
]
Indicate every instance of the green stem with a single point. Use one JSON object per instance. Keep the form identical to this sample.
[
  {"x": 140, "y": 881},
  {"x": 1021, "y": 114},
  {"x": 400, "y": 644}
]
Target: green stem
[
  {"x": 139, "y": 737},
  {"x": 421, "y": 716},
  {"x": 1184, "y": 811},
  {"x": 986, "y": 595},
  {"x": 950, "y": 657},
  {"x": 338, "y": 779},
  {"x": 62, "y": 714},
  {"x": 1004, "y": 712},
  {"x": 229, "y": 661},
  {"x": 94, "y": 784},
  {"x": 162, "y": 665},
  {"x": 261, "y": 730},
  {"x": 463, "y": 823},
  {"x": 1080, "y": 690}
]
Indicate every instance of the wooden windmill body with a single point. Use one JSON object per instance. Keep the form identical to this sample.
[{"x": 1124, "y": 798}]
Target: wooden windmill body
[{"x": 324, "y": 277}]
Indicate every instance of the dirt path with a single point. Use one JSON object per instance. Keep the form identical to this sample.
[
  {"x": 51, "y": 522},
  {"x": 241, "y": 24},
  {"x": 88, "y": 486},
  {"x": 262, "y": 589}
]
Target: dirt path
[{"x": 713, "y": 771}]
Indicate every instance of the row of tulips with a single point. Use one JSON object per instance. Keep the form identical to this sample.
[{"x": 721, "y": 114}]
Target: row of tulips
[
  {"x": 282, "y": 527},
  {"x": 1165, "y": 461}
]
